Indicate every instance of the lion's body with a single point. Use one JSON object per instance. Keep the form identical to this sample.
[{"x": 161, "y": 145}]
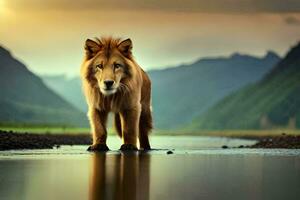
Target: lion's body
[{"x": 131, "y": 100}]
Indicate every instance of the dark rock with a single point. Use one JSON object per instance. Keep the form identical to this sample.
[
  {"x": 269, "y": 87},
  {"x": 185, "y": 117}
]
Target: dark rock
[
  {"x": 224, "y": 146},
  {"x": 10, "y": 140},
  {"x": 169, "y": 152},
  {"x": 284, "y": 141}
]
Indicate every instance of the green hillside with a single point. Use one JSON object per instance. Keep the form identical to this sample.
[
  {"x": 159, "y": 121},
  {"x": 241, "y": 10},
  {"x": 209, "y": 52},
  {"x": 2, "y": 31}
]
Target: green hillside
[
  {"x": 24, "y": 98},
  {"x": 273, "y": 102}
]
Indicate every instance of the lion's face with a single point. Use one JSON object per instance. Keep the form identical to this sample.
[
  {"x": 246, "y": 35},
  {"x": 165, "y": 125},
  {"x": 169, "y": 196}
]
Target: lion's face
[
  {"x": 108, "y": 63},
  {"x": 109, "y": 72}
]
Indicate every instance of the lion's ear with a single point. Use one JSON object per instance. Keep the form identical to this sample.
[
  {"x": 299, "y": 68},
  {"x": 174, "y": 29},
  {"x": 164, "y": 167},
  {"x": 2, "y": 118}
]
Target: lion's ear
[
  {"x": 91, "y": 48},
  {"x": 125, "y": 47}
]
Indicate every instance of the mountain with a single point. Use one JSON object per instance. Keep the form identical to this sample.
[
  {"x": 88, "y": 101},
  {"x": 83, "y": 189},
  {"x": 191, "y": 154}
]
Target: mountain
[
  {"x": 273, "y": 102},
  {"x": 183, "y": 92},
  {"x": 26, "y": 99}
]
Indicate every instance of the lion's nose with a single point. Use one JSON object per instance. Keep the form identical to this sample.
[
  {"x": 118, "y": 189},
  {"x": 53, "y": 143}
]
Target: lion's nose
[{"x": 108, "y": 83}]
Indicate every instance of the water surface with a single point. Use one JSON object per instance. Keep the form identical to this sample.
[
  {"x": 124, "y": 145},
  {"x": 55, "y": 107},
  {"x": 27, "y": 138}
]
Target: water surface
[{"x": 198, "y": 169}]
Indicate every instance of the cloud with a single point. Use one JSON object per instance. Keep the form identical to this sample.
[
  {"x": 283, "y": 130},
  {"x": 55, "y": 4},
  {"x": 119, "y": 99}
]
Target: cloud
[
  {"x": 212, "y": 6},
  {"x": 291, "y": 20}
]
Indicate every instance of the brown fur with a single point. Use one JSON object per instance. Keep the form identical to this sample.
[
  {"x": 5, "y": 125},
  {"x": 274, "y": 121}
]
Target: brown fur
[{"x": 130, "y": 99}]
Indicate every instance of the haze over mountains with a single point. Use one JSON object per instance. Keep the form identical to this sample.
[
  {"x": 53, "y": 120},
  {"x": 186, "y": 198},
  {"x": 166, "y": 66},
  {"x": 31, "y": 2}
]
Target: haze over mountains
[
  {"x": 273, "y": 102},
  {"x": 183, "y": 92},
  {"x": 69, "y": 88},
  {"x": 25, "y": 99}
]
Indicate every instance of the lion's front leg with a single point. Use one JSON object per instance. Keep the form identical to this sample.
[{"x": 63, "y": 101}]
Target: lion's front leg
[
  {"x": 98, "y": 126},
  {"x": 130, "y": 124}
]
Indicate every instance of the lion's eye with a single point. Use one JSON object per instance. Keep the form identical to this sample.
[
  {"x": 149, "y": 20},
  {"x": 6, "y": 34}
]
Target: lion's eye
[
  {"x": 99, "y": 66},
  {"x": 117, "y": 65}
]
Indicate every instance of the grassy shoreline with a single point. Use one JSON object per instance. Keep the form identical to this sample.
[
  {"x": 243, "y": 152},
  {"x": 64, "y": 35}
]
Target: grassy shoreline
[
  {"x": 232, "y": 133},
  {"x": 217, "y": 133},
  {"x": 251, "y": 134},
  {"x": 46, "y": 130}
]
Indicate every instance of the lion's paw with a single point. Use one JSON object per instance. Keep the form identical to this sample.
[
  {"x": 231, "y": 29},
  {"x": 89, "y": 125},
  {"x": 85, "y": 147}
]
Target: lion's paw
[
  {"x": 128, "y": 147},
  {"x": 98, "y": 147}
]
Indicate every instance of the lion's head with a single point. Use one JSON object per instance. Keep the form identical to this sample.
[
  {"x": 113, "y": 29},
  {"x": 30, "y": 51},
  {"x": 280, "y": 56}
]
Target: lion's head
[{"x": 108, "y": 63}]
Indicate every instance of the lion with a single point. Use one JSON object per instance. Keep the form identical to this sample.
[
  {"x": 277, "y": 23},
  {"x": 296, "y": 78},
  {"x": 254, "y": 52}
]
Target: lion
[{"x": 114, "y": 82}]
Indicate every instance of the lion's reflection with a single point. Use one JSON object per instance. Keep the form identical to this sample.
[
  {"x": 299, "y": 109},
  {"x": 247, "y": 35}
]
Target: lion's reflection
[{"x": 119, "y": 176}]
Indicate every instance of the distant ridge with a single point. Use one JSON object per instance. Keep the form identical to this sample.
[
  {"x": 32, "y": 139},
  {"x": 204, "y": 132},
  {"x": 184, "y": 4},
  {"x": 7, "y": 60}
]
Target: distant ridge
[
  {"x": 182, "y": 93},
  {"x": 273, "y": 102},
  {"x": 289, "y": 61}
]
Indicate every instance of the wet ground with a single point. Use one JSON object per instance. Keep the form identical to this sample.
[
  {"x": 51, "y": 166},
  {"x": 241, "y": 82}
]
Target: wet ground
[{"x": 197, "y": 168}]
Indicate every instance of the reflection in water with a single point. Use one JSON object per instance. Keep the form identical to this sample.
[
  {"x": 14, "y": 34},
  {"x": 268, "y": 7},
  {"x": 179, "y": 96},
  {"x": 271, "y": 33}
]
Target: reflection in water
[
  {"x": 214, "y": 174},
  {"x": 120, "y": 176}
]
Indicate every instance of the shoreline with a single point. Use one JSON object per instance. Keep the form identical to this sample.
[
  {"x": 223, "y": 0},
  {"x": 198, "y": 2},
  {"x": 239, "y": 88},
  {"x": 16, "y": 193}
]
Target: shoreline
[{"x": 10, "y": 140}]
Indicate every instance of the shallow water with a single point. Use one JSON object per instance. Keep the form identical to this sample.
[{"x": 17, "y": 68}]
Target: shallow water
[{"x": 198, "y": 169}]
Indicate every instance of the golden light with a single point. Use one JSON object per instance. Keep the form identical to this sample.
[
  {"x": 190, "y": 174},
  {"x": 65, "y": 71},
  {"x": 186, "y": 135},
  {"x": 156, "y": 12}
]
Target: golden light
[
  {"x": 2, "y": 7},
  {"x": 4, "y": 10}
]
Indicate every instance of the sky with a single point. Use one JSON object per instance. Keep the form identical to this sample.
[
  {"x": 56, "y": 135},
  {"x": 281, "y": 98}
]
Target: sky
[{"x": 49, "y": 35}]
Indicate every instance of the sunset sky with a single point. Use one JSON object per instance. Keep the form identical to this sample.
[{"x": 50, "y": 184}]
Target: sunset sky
[{"x": 48, "y": 35}]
